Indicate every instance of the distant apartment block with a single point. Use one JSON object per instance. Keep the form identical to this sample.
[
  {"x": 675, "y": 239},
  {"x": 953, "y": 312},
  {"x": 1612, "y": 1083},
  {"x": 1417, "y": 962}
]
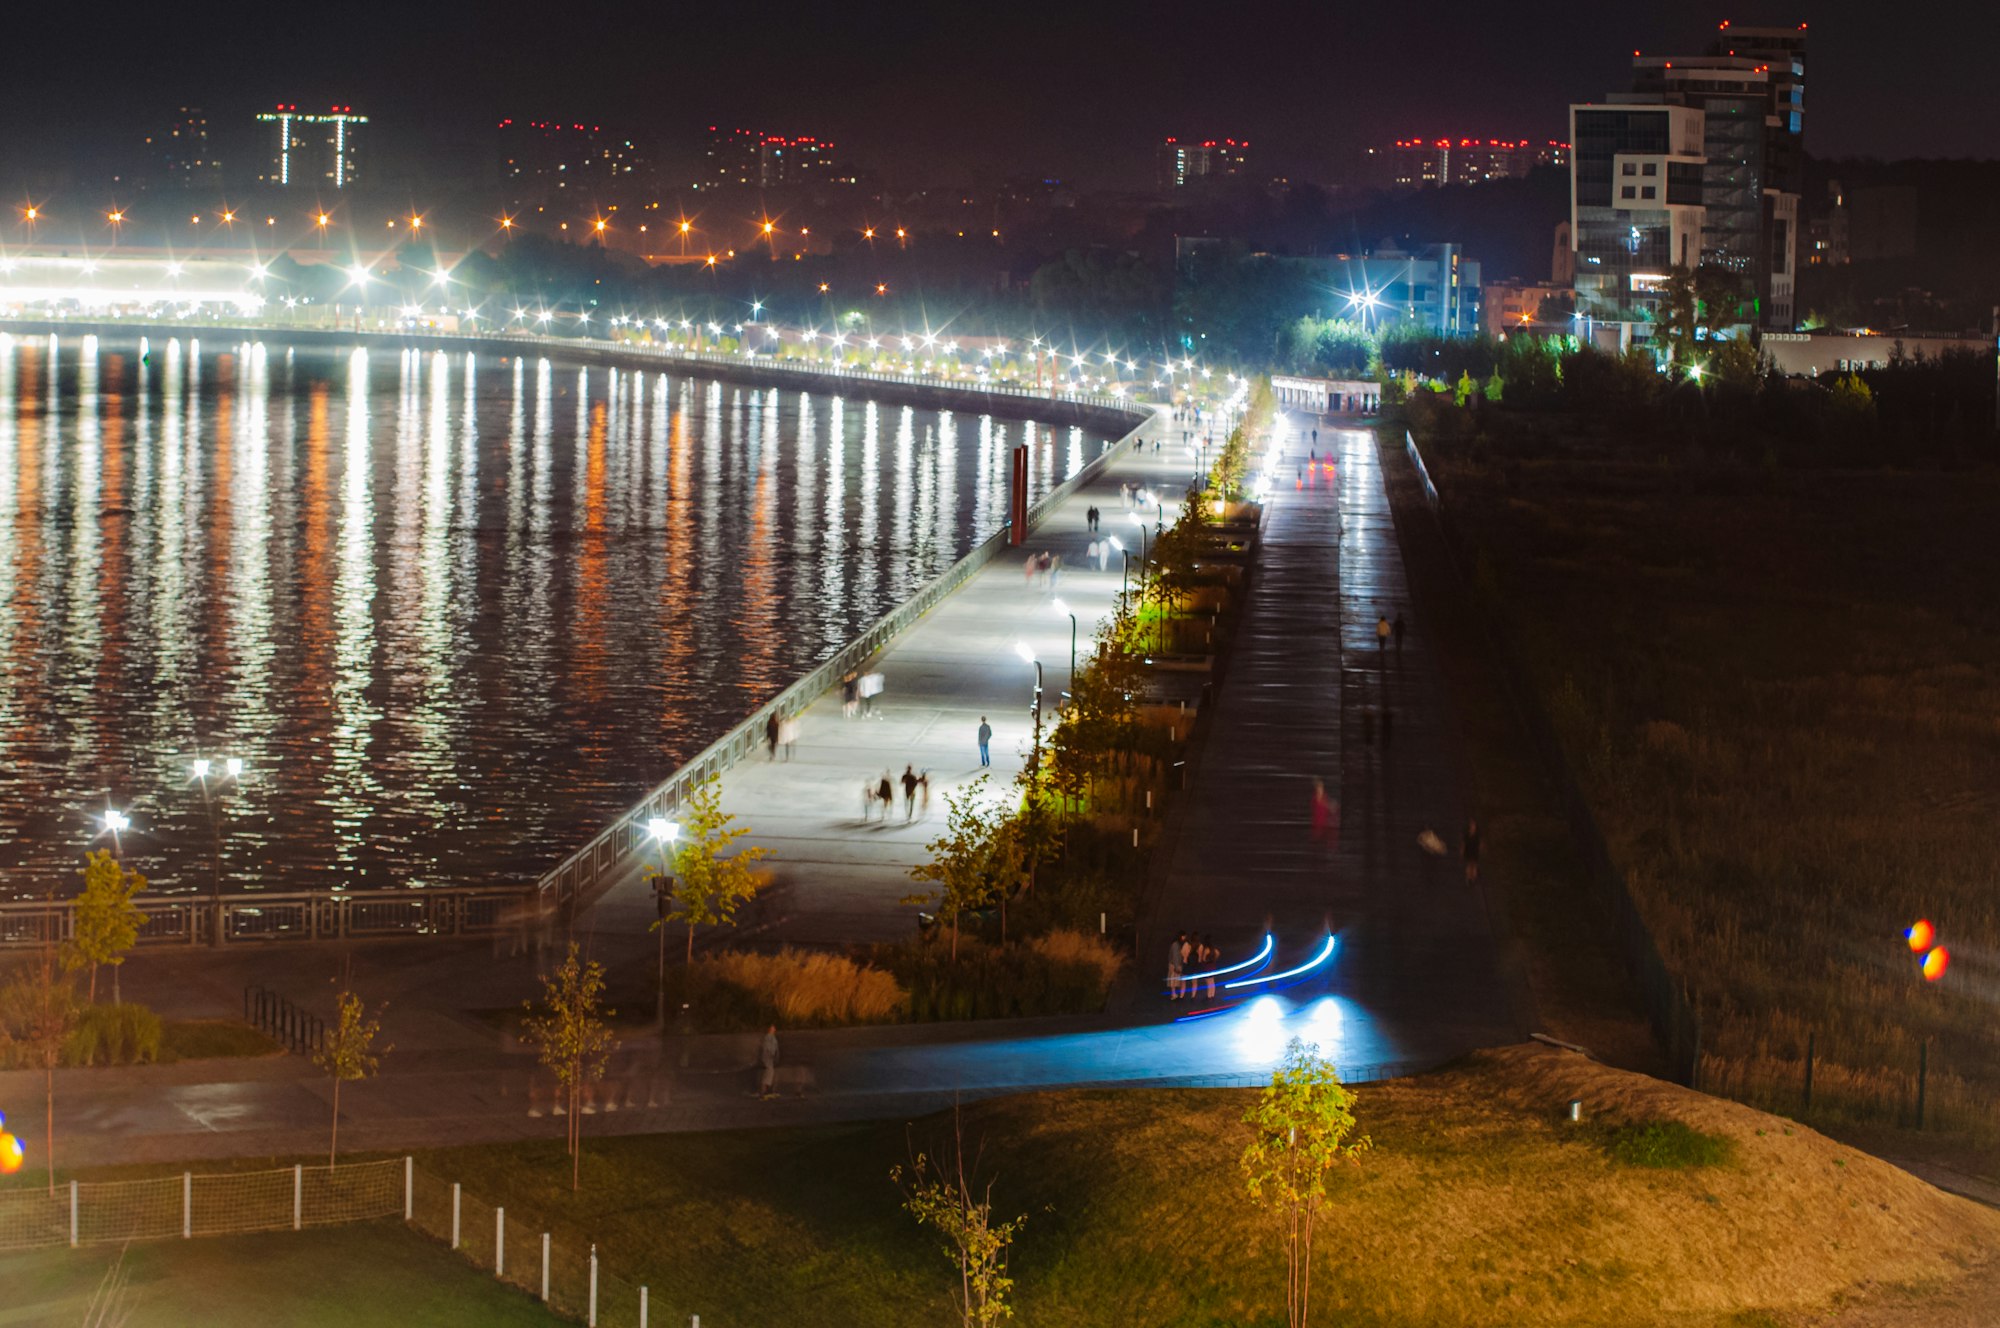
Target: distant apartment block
[
  {"x": 178, "y": 152},
  {"x": 320, "y": 150},
  {"x": 1178, "y": 163},
  {"x": 752, "y": 157},
  {"x": 1421, "y": 163}
]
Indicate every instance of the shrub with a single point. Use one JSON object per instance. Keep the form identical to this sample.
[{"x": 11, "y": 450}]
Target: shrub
[
  {"x": 999, "y": 981},
  {"x": 1667, "y": 1145},
  {"x": 125, "y": 1034},
  {"x": 1075, "y": 947},
  {"x": 801, "y": 988}
]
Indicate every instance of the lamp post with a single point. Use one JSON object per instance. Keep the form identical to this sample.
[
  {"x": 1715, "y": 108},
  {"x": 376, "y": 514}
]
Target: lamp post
[
  {"x": 662, "y": 832},
  {"x": 1063, "y": 609},
  {"x": 202, "y": 768},
  {"x": 1124, "y": 577}
]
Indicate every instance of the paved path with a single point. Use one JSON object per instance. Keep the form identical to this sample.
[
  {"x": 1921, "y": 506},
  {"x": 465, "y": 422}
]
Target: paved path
[
  {"x": 840, "y": 872},
  {"x": 1310, "y": 695}
]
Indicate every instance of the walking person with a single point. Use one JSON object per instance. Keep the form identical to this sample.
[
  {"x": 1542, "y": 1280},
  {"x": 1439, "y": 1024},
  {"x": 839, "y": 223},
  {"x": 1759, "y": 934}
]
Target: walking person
[
  {"x": 909, "y": 793},
  {"x": 788, "y": 734},
  {"x": 867, "y": 800},
  {"x": 885, "y": 793},
  {"x": 871, "y": 687},
  {"x": 1211, "y": 955},
  {"x": 1469, "y": 850},
  {"x": 850, "y": 696},
  {"x": 1174, "y": 968},
  {"x": 924, "y": 795},
  {"x": 1382, "y": 630},
  {"x": 767, "y": 1059},
  {"x": 771, "y": 735},
  {"x": 985, "y": 737}
]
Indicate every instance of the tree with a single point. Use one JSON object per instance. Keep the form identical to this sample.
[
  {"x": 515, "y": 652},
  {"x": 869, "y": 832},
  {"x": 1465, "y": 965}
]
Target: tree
[
  {"x": 962, "y": 860},
  {"x": 1674, "y": 328},
  {"x": 1300, "y": 1125},
  {"x": 572, "y": 1040},
  {"x": 104, "y": 921},
  {"x": 348, "y": 1053},
  {"x": 952, "y": 1204},
  {"x": 708, "y": 887},
  {"x": 37, "y": 1013}
]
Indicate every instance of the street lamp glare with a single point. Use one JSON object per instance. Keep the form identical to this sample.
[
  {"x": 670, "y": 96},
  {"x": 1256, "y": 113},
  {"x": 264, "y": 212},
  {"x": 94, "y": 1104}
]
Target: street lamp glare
[
  {"x": 234, "y": 765},
  {"x": 1058, "y": 605},
  {"x": 663, "y": 830},
  {"x": 201, "y": 767},
  {"x": 1021, "y": 649},
  {"x": 115, "y": 820},
  {"x": 1117, "y": 544}
]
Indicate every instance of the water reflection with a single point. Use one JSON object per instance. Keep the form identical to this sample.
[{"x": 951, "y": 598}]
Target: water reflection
[{"x": 452, "y": 613}]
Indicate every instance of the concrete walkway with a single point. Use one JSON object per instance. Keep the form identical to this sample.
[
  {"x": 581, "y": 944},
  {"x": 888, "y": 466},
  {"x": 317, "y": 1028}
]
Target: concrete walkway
[
  {"x": 1311, "y": 695},
  {"x": 840, "y": 871}
]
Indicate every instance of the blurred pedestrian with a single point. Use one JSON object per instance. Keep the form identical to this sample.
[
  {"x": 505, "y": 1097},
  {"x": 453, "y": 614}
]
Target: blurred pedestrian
[
  {"x": 885, "y": 792},
  {"x": 1382, "y": 630},
  {"x": 924, "y": 794},
  {"x": 871, "y": 687},
  {"x": 771, "y": 735},
  {"x": 909, "y": 792},
  {"x": 850, "y": 696},
  {"x": 788, "y": 734},
  {"x": 767, "y": 1058},
  {"x": 1174, "y": 966},
  {"x": 985, "y": 737}
]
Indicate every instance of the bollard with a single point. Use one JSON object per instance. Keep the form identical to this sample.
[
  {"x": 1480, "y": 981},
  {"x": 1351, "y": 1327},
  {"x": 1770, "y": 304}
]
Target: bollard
[
  {"x": 642, "y": 1307},
  {"x": 499, "y": 1242},
  {"x": 545, "y": 1268},
  {"x": 454, "y": 1214},
  {"x": 1100, "y": 923},
  {"x": 1135, "y": 836},
  {"x": 592, "y": 1320},
  {"x": 298, "y": 1195},
  {"x": 187, "y": 1205},
  {"x": 1576, "y": 1108}
]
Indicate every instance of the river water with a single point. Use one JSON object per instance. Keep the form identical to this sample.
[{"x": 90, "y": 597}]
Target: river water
[{"x": 453, "y": 613}]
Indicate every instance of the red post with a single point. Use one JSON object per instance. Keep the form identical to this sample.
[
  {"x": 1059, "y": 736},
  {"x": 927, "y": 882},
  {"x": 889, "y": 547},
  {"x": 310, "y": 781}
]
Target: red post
[{"x": 1017, "y": 497}]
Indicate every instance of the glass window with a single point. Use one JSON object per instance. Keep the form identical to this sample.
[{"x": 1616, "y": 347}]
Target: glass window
[
  {"x": 1627, "y": 192},
  {"x": 1629, "y": 169},
  {"x": 1652, "y": 168},
  {"x": 1648, "y": 192}
]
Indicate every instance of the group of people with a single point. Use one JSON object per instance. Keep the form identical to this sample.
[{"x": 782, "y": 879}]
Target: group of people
[
  {"x": 916, "y": 789},
  {"x": 781, "y": 731},
  {"x": 1188, "y": 953},
  {"x": 1043, "y": 567},
  {"x": 857, "y": 694}
]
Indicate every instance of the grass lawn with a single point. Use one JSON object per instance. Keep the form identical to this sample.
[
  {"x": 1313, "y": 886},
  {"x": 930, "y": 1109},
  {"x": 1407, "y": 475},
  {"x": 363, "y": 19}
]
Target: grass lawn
[
  {"x": 1779, "y": 690},
  {"x": 1479, "y": 1205},
  {"x": 377, "y": 1273}
]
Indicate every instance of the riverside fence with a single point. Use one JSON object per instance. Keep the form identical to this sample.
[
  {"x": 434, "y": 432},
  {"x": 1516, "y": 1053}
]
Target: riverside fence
[
  {"x": 565, "y": 1272},
  {"x": 1668, "y": 1008}
]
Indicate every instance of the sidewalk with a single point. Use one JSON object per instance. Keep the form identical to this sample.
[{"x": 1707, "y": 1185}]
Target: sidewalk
[{"x": 1309, "y": 694}]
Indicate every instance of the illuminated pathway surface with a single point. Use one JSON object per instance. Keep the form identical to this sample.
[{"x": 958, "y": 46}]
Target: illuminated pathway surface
[
  {"x": 1414, "y": 979},
  {"x": 1310, "y": 695}
]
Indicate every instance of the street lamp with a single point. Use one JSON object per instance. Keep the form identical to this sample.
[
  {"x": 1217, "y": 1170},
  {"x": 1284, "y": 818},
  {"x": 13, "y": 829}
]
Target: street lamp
[
  {"x": 202, "y": 769},
  {"x": 1125, "y": 577},
  {"x": 1063, "y": 609},
  {"x": 116, "y": 823},
  {"x": 662, "y": 832}
]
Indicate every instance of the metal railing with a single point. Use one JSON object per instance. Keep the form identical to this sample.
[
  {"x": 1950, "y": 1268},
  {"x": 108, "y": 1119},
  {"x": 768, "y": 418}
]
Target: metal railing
[
  {"x": 578, "y": 875},
  {"x": 303, "y": 915}
]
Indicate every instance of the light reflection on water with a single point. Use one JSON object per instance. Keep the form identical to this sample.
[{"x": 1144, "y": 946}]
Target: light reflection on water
[{"x": 453, "y": 612}]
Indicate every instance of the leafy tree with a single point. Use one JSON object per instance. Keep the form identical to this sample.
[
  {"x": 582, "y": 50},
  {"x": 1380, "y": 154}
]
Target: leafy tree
[
  {"x": 38, "y": 1010},
  {"x": 348, "y": 1053},
  {"x": 1300, "y": 1127},
  {"x": 105, "y": 922},
  {"x": 1721, "y": 299},
  {"x": 1675, "y": 326},
  {"x": 709, "y": 887},
  {"x": 964, "y": 858},
  {"x": 572, "y": 1040},
  {"x": 955, "y": 1206}
]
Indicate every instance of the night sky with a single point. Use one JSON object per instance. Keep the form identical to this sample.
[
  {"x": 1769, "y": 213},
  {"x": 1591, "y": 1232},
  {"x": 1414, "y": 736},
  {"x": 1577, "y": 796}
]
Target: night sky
[{"x": 956, "y": 92}]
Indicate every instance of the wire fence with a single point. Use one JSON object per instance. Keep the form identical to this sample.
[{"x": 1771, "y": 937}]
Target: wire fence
[{"x": 564, "y": 1272}]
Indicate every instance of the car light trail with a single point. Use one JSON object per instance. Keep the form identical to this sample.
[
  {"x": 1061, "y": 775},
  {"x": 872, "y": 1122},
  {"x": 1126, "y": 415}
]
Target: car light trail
[
  {"x": 1253, "y": 961},
  {"x": 1306, "y": 967}
]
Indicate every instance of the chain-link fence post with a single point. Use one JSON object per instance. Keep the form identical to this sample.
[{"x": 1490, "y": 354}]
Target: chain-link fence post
[
  {"x": 298, "y": 1196},
  {"x": 409, "y": 1187},
  {"x": 187, "y": 1205},
  {"x": 545, "y": 1268},
  {"x": 591, "y": 1321},
  {"x": 454, "y": 1215},
  {"x": 499, "y": 1242}
]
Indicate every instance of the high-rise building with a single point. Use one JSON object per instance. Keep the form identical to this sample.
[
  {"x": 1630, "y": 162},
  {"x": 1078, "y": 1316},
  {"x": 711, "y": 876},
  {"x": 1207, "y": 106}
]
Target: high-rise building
[
  {"x": 540, "y": 157},
  {"x": 1423, "y": 163},
  {"x": 1635, "y": 207},
  {"x": 1435, "y": 288},
  {"x": 1749, "y": 87},
  {"x": 1178, "y": 163},
  {"x": 322, "y": 150},
  {"x": 179, "y": 154},
  {"x": 749, "y": 157}
]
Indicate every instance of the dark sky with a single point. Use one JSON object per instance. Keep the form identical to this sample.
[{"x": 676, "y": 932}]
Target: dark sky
[{"x": 926, "y": 91}]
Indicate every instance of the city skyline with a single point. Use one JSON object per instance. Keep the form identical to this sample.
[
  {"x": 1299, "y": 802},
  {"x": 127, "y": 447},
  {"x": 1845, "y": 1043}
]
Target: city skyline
[{"x": 926, "y": 100}]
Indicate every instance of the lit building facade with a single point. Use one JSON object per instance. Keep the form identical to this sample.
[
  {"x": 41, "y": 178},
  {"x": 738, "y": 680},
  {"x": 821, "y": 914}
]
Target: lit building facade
[
  {"x": 540, "y": 157},
  {"x": 1179, "y": 163},
  {"x": 1635, "y": 207},
  {"x": 1435, "y": 289},
  {"x": 769, "y": 161},
  {"x": 320, "y": 150}
]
